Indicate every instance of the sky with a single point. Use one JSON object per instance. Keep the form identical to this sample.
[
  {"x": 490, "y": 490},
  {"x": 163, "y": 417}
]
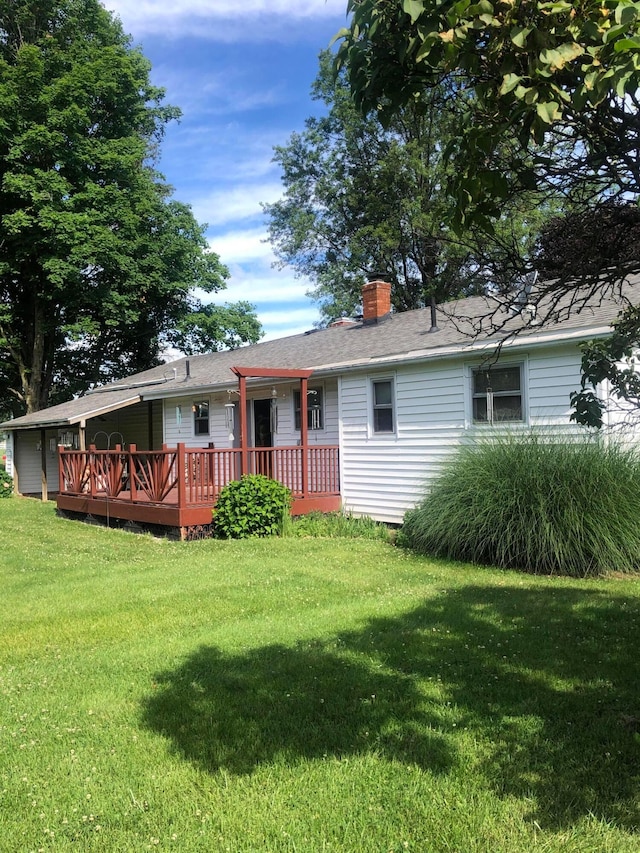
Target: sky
[{"x": 241, "y": 72}]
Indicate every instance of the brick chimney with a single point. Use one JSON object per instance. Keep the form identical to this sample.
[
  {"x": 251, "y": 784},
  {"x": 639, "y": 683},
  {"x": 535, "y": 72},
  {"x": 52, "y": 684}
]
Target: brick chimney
[{"x": 376, "y": 301}]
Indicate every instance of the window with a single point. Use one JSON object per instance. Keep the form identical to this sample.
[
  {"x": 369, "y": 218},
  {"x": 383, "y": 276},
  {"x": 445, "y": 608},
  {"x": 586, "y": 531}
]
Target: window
[
  {"x": 201, "y": 418},
  {"x": 383, "y": 414},
  {"x": 497, "y": 395},
  {"x": 315, "y": 408}
]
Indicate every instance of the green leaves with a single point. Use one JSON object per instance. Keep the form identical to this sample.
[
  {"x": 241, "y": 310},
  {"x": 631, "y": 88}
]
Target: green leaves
[
  {"x": 548, "y": 112},
  {"x": 414, "y": 8},
  {"x": 208, "y": 328},
  {"x": 93, "y": 240},
  {"x": 255, "y": 505}
]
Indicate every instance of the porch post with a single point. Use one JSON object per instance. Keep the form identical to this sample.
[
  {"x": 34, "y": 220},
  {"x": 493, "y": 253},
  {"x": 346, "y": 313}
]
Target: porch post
[
  {"x": 133, "y": 489},
  {"x": 150, "y": 424},
  {"x": 43, "y": 464},
  {"x": 304, "y": 436},
  {"x": 14, "y": 456},
  {"x": 92, "y": 470},
  {"x": 181, "y": 460},
  {"x": 82, "y": 436},
  {"x": 244, "y": 432},
  {"x": 61, "y": 482}
]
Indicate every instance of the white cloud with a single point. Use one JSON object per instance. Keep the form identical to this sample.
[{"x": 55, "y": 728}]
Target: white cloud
[
  {"x": 241, "y": 247},
  {"x": 243, "y": 201},
  {"x": 289, "y": 323},
  {"x": 263, "y": 287},
  {"x": 209, "y": 93},
  {"x": 222, "y": 20}
]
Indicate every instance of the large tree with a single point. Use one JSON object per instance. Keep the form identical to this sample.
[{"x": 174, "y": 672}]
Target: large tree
[
  {"x": 97, "y": 261},
  {"x": 550, "y": 76},
  {"x": 361, "y": 197}
]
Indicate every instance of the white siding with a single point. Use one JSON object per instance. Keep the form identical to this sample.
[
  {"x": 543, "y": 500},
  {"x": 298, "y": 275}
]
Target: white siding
[
  {"x": 138, "y": 424},
  {"x": 28, "y": 461},
  {"x": 385, "y": 475},
  {"x": 286, "y": 435}
]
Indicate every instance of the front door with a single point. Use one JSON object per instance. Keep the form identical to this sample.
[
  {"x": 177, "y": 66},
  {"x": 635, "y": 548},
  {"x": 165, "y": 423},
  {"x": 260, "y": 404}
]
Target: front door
[{"x": 262, "y": 436}]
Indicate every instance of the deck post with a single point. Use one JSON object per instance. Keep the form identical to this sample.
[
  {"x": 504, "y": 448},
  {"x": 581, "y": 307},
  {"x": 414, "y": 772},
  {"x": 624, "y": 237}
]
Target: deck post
[
  {"x": 43, "y": 464},
  {"x": 133, "y": 491},
  {"x": 244, "y": 432},
  {"x": 61, "y": 482},
  {"x": 304, "y": 435},
  {"x": 92, "y": 470},
  {"x": 181, "y": 475}
]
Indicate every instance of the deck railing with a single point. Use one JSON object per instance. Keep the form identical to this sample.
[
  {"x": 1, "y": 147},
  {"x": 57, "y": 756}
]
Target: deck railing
[{"x": 193, "y": 477}]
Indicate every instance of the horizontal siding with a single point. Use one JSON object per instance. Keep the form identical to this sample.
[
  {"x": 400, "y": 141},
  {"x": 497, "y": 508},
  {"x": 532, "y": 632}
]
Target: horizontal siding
[
  {"x": 552, "y": 378},
  {"x": 286, "y": 435},
  {"x": 384, "y": 476},
  {"x": 126, "y": 426},
  {"x": 28, "y": 461}
]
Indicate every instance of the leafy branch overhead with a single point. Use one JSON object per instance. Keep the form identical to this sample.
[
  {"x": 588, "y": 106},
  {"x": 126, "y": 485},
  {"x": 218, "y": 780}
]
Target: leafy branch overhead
[
  {"x": 549, "y": 97},
  {"x": 531, "y": 67},
  {"x": 362, "y": 196}
]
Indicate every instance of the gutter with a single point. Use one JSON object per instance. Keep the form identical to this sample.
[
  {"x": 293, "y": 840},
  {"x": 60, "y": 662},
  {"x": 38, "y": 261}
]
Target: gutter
[{"x": 106, "y": 389}]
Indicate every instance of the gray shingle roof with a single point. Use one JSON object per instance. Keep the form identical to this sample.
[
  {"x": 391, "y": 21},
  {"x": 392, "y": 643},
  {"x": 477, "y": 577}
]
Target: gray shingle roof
[{"x": 462, "y": 325}]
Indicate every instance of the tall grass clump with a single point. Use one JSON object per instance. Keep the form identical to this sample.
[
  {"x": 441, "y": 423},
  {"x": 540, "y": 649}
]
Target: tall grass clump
[{"x": 525, "y": 502}]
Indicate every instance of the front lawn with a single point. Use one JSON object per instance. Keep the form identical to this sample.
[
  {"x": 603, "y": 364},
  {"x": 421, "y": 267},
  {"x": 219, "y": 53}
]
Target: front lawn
[{"x": 307, "y": 695}]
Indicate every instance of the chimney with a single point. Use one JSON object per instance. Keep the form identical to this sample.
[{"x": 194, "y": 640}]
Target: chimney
[{"x": 376, "y": 301}]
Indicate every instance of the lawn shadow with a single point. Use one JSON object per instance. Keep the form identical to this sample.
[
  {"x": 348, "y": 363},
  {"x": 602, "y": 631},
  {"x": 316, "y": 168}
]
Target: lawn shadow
[
  {"x": 546, "y": 678},
  {"x": 279, "y": 703}
]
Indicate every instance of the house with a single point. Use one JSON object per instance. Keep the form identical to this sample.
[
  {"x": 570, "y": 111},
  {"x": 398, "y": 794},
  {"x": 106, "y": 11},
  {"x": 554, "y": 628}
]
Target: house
[{"x": 360, "y": 415}]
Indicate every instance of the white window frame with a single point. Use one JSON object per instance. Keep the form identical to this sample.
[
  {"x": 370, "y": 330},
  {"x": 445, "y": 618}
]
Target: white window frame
[
  {"x": 310, "y": 398},
  {"x": 372, "y": 381},
  {"x": 471, "y": 369},
  {"x": 202, "y": 401}
]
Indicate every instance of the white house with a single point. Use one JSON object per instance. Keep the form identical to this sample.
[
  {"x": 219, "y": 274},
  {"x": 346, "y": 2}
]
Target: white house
[{"x": 387, "y": 399}]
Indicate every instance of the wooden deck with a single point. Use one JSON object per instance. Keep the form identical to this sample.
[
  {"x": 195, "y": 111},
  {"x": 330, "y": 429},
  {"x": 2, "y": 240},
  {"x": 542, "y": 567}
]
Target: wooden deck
[{"x": 177, "y": 488}]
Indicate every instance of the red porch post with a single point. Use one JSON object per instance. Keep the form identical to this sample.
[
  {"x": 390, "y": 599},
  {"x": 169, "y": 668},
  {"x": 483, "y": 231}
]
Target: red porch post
[
  {"x": 244, "y": 431},
  {"x": 92, "y": 470},
  {"x": 273, "y": 373},
  {"x": 304, "y": 435},
  {"x": 133, "y": 489},
  {"x": 181, "y": 474}
]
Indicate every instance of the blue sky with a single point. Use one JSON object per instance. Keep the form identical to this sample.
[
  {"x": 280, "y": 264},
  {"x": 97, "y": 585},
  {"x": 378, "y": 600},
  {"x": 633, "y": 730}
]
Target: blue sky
[{"x": 241, "y": 73}]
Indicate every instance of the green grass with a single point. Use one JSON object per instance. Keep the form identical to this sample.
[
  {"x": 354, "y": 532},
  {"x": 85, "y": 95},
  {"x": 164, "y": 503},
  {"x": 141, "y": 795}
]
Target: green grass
[
  {"x": 307, "y": 695},
  {"x": 336, "y": 525},
  {"x": 521, "y": 501}
]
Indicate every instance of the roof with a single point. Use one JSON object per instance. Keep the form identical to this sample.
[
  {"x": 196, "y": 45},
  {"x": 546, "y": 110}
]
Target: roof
[{"x": 475, "y": 324}]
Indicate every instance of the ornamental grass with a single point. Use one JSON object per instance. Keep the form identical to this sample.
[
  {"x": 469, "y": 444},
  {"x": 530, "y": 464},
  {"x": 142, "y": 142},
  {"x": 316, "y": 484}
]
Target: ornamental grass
[{"x": 523, "y": 501}]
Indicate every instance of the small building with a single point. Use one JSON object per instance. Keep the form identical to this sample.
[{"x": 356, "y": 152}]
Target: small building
[{"x": 359, "y": 415}]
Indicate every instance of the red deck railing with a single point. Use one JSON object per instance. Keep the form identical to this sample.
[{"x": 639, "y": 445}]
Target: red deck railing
[{"x": 185, "y": 477}]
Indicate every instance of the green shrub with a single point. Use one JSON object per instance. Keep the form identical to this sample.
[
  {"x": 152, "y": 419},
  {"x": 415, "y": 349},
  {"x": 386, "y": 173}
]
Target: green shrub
[
  {"x": 6, "y": 483},
  {"x": 523, "y": 502},
  {"x": 336, "y": 525},
  {"x": 252, "y": 506}
]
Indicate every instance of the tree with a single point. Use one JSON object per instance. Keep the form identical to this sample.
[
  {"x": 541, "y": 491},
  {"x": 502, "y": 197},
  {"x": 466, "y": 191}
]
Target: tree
[
  {"x": 549, "y": 76},
  {"x": 97, "y": 261},
  {"x": 215, "y": 327},
  {"x": 360, "y": 196}
]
